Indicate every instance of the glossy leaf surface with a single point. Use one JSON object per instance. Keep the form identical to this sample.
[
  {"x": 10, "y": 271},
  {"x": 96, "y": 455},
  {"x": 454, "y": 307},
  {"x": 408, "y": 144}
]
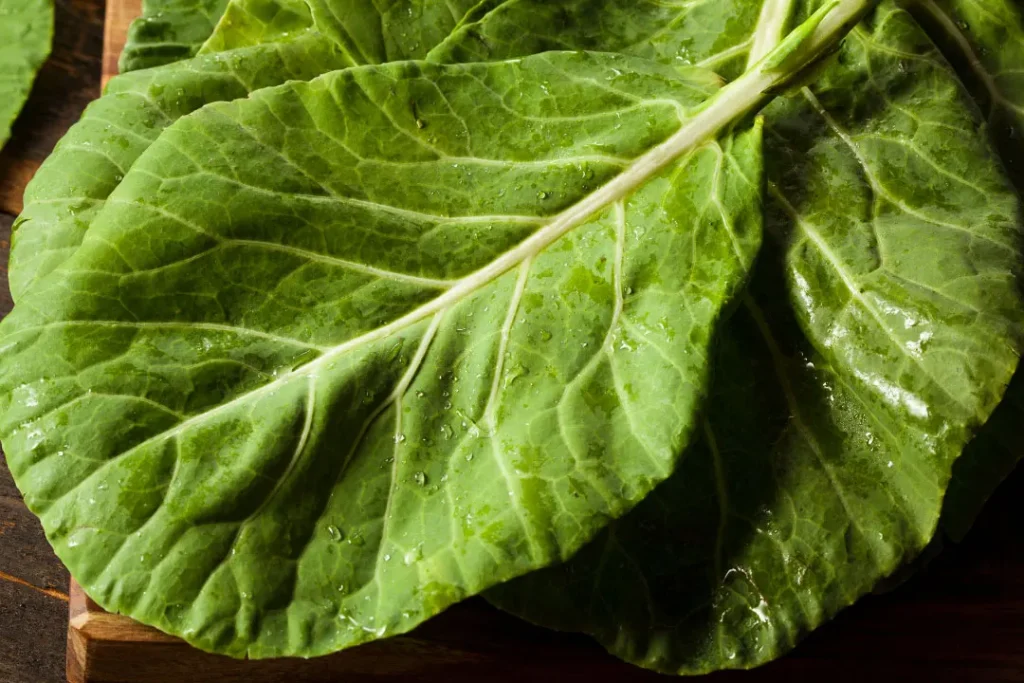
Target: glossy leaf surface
[
  {"x": 879, "y": 335},
  {"x": 289, "y": 405}
]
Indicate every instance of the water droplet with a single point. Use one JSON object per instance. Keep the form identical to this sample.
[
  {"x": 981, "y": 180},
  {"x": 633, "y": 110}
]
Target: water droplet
[
  {"x": 413, "y": 555},
  {"x": 447, "y": 431},
  {"x": 356, "y": 540},
  {"x": 468, "y": 423},
  {"x": 387, "y": 558},
  {"x": 335, "y": 533},
  {"x": 542, "y": 195},
  {"x": 420, "y": 478},
  {"x": 399, "y": 438},
  {"x": 514, "y": 373}
]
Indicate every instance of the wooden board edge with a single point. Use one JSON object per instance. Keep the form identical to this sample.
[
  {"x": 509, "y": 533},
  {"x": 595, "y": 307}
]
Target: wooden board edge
[
  {"x": 119, "y": 16},
  {"x": 89, "y": 621},
  {"x": 110, "y": 648}
]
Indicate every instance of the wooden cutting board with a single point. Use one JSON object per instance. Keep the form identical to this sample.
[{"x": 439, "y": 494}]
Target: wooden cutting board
[
  {"x": 120, "y": 14},
  {"x": 962, "y": 621}
]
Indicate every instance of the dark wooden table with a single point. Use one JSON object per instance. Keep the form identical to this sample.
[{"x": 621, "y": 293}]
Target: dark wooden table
[
  {"x": 961, "y": 619},
  {"x": 33, "y": 583}
]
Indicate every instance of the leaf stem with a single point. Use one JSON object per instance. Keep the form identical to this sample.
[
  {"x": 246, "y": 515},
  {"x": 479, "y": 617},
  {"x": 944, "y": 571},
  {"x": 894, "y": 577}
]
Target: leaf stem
[{"x": 769, "y": 30}]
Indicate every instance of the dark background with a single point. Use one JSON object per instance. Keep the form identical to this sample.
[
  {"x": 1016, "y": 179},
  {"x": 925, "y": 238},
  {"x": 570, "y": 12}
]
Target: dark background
[{"x": 960, "y": 619}]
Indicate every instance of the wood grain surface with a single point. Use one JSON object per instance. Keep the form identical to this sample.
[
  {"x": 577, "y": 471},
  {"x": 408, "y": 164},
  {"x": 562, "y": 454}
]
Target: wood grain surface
[
  {"x": 120, "y": 14},
  {"x": 33, "y": 582},
  {"x": 960, "y": 619}
]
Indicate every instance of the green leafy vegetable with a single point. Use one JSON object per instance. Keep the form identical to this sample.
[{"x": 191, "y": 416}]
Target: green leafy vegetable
[
  {"x": 305, "y": 351},
  {"x": 985, "y": 42},
  {"x": 169, "y": 31},
  {"x": 26, "y": 31},
  {"x": 371, "y": 34},
  {"x": 379, "y": 401},
  {"x": 716, "y": 35},
  {"x": 91, "y": 160},
  {"x": 259, "y": 22},
  {"x": 899, "y": 291}
]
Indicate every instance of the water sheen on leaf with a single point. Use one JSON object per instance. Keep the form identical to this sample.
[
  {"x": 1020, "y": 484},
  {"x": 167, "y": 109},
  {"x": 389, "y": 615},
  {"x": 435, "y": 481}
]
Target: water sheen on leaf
[{"x": 335, "y": 356}]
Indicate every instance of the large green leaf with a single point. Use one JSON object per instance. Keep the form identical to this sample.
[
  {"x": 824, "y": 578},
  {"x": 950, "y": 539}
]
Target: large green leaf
[
  {"x": 879, "y": 336},
  {"x": 985, "y": 42},
  {"x": 26, "y": 31},
  {"x": 713, "y": 33},
  {"x": 260, "y": 43},
  {"x": 90, "y": 161},
  {"x": 169, "y": 31},
  {"x": 373, "y": 33},
  {"x": 257, "y": 22},
  {"x": 337, "y": 355}
]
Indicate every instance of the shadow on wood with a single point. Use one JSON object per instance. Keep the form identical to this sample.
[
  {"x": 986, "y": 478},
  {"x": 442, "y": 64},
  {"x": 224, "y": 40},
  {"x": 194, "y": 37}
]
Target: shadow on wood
[{"x": 469, "y": 642}]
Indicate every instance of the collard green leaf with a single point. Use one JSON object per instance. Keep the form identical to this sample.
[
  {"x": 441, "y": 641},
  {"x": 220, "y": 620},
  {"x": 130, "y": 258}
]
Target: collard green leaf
[
  {"x": 26, "y": 31},
  {"x": 337, "y": 355},
  {"x": 249, "y": 465},
  {"x": 375, "y": 34},
  {"x": 169, "y": 31},
  {"x": 260, "y": 43},
  {"x": 985, "y": 42},
  {"x": 879, "y": 335},
  {"x": 782, "y": 515},
  {"x": 257, "y": 22},
  {"x": 711, "y": 33},
  {"x": 72, "y": 186}
]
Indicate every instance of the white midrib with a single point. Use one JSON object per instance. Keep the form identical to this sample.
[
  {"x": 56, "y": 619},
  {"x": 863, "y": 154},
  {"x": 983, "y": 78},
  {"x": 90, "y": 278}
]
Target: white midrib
[
  {"x": 769, "y": 31},
  {"x": 728, "y": 105}
]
